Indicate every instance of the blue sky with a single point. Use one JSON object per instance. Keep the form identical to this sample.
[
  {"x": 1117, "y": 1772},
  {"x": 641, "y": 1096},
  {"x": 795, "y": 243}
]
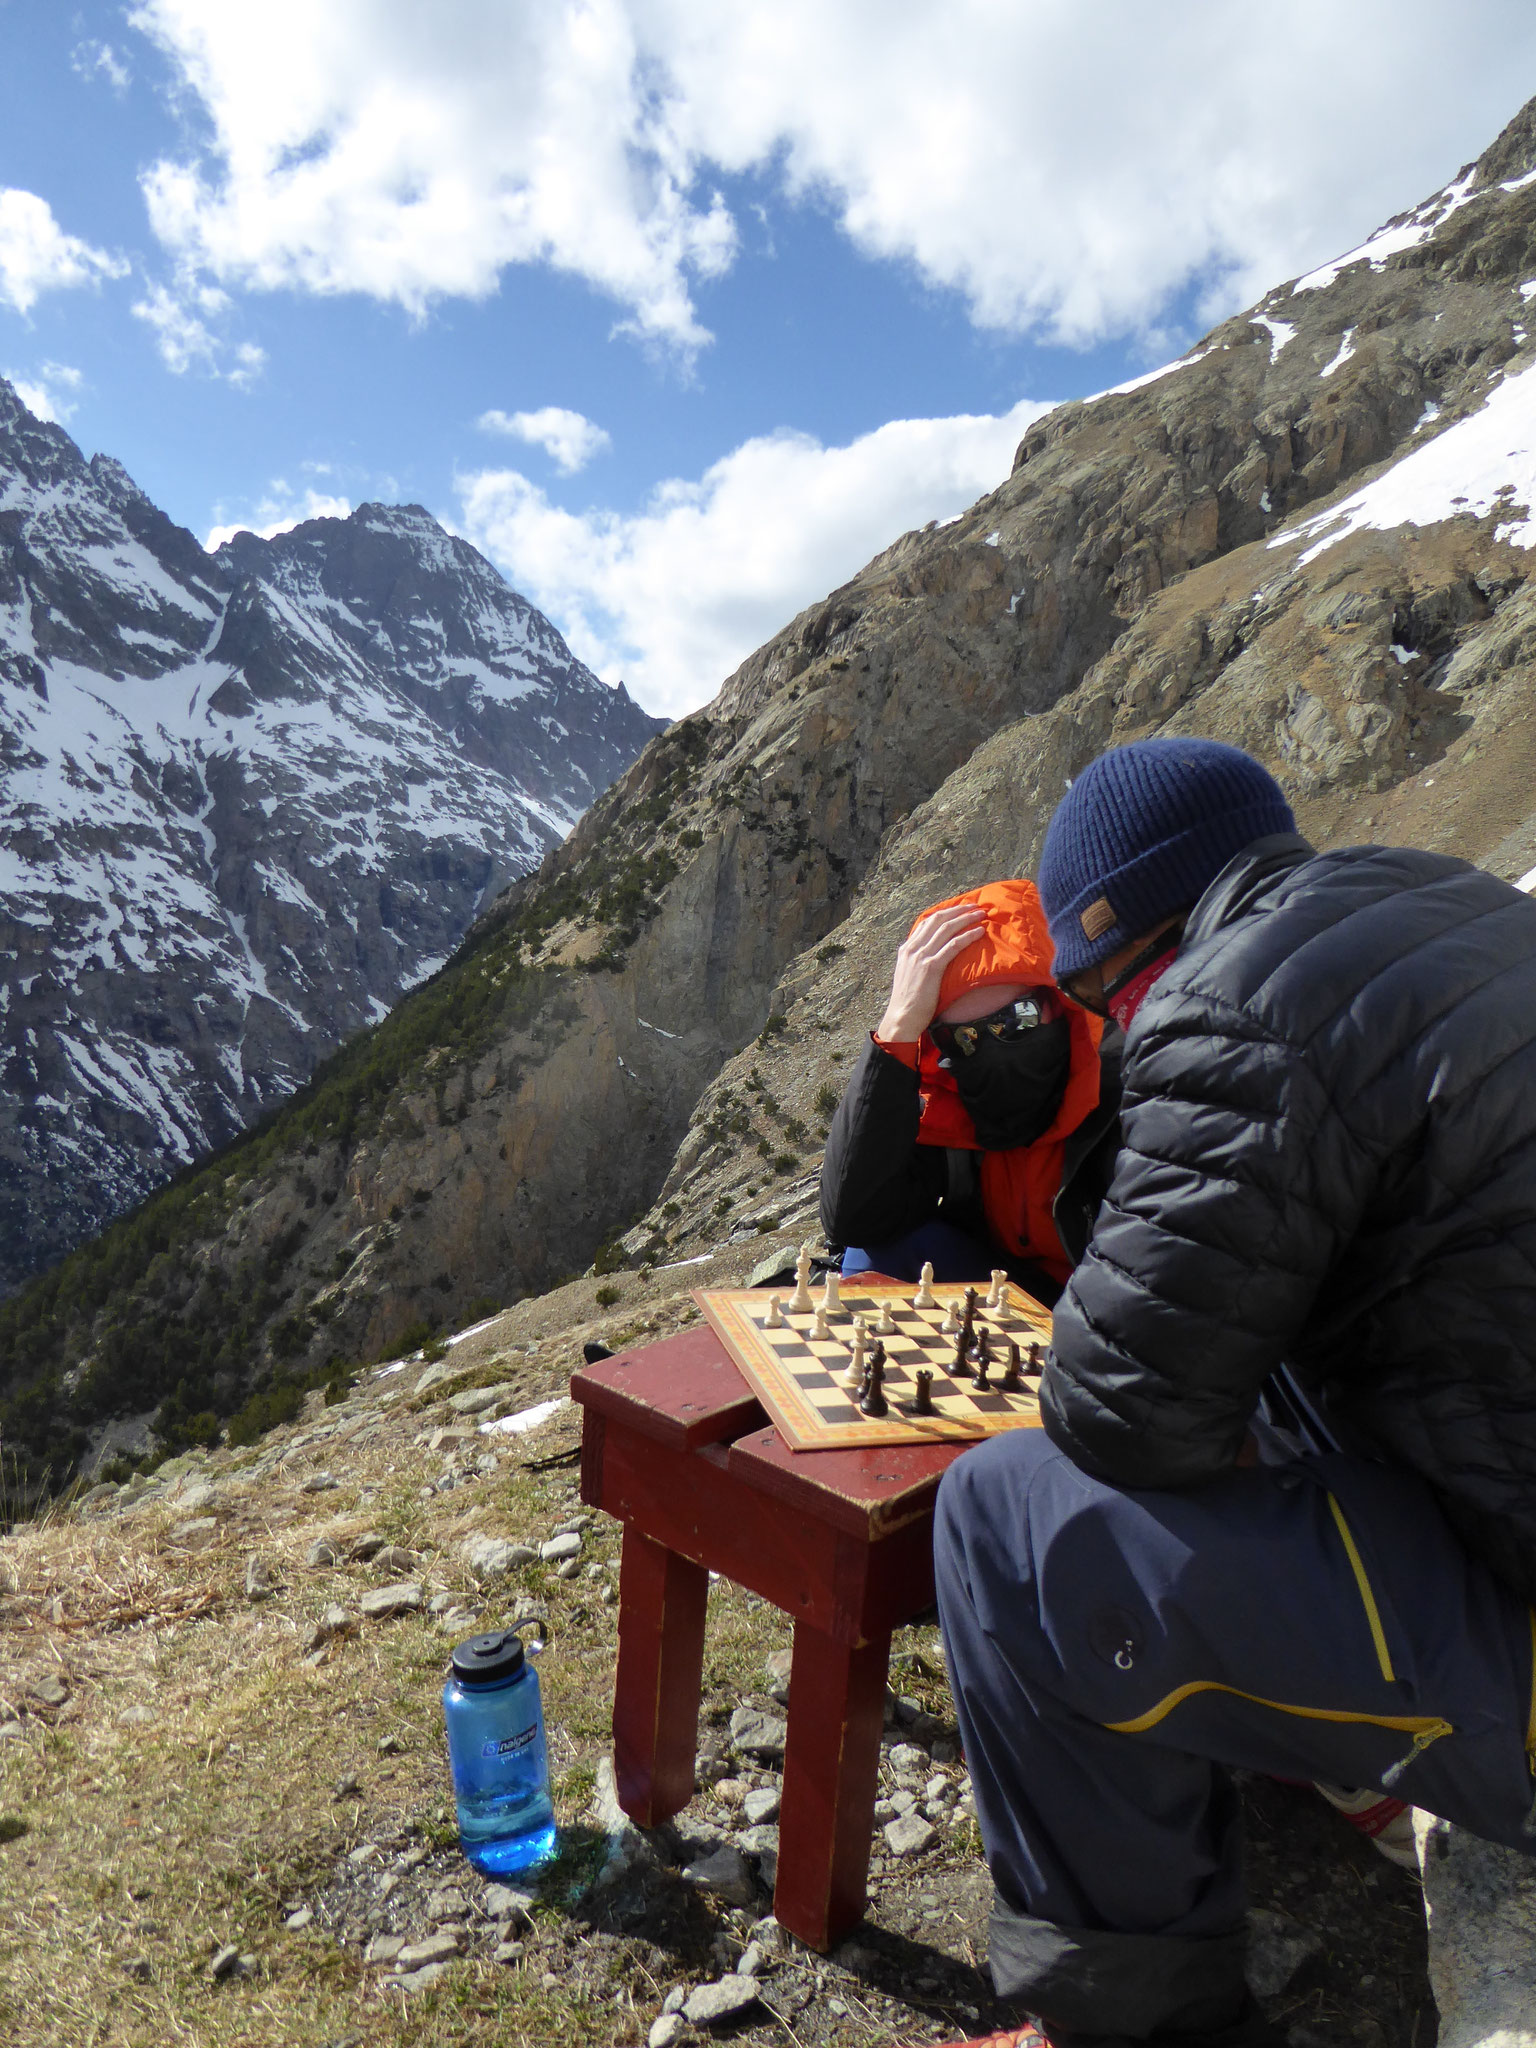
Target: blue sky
[{"x": 792, "y": 278}]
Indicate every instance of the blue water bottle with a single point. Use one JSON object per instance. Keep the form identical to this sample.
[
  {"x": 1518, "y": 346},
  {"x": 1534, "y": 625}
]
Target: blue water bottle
[{"x": 497, "y": 1755}]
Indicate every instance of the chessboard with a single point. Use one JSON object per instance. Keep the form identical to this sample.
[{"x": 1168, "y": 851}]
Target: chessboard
[{"x": 800, "y": 1377}]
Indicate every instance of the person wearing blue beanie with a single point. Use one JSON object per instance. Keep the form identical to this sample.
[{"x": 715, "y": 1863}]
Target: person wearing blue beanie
[
  {"x": 1141, "y": 834},
  {"x": 1281, "y": 1514}
]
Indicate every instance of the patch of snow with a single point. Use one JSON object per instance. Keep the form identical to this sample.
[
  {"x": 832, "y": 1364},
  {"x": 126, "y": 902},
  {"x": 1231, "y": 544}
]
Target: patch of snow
[
  {"x": 1346, "y": 350},
  {"x": 992, "y": 539},
  {"x": 1528, "y": 289},
  {"x": 1396, "y": 236},
  {"x": 1280, "y": 332},
  {"x": 526, "y": 1418},
  {"x": 1428, "y": 416},
  {"x": 473, "y": 1330},
  {"x": 1402, "y": 655},
  {"x": 676, "y": 1265},
  {"x": 1527, "y": 881},
  {"x": 657, "y": 1029},
  {"x": 1482, "y": 464},
  {"x": 1148, "y": 377}
]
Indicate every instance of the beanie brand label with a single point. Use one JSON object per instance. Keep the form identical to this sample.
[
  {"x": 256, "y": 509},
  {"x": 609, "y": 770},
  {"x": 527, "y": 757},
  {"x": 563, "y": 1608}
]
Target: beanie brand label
[{"x": 1097, "y": 918}]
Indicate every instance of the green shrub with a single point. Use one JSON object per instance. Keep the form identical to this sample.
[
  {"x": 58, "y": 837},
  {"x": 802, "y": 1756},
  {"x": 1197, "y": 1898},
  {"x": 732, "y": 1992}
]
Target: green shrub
[
  {"x": 786, "y": 1162},
  {"x": 832, "y": 952},
  {"x": 415, "y": 1336},
  {"x": 265, "y": 1410},
  {"x": 827, "y": 1099},
  {"x": 607, "y": 1296},
  {"x": 483, "y": 1307}
]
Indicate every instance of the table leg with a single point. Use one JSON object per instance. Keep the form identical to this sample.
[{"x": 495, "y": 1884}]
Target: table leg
[
  {"x": 662, "y": 1598},
  {"x": 831, "y": 1767}
]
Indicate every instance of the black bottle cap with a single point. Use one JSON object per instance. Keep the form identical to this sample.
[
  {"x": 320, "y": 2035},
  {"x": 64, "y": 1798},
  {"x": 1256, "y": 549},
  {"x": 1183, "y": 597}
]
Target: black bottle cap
[{"x": 487, "y": 1660}]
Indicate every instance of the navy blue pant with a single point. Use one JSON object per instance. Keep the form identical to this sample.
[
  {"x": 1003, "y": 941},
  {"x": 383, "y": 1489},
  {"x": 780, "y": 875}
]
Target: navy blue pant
[
  {"x": 954, "y": 1255},
  {"x": 1112, "y": 1653}
]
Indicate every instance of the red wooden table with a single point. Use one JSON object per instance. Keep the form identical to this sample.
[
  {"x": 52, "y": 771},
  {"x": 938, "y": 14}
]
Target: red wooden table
[{"x": 676, "y": 1446}]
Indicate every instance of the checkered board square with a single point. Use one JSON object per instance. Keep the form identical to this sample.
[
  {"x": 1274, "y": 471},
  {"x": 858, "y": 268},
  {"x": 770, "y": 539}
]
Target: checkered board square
[{"x": 799, "y": 1377}]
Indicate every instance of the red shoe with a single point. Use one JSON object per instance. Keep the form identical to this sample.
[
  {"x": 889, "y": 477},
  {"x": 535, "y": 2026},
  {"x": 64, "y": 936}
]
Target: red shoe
[
  {"x": 1386, "y": 1823},
  {"x": 1027, "y": 2036}
]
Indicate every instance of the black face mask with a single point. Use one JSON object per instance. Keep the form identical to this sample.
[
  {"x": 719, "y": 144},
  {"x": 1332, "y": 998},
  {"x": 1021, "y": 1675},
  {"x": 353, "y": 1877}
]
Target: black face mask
[{"x": 1013, "y": 1088}]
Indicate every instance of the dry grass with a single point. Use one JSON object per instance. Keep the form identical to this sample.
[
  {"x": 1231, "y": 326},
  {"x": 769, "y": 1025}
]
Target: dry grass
[{"x": 185, "y": 1794}]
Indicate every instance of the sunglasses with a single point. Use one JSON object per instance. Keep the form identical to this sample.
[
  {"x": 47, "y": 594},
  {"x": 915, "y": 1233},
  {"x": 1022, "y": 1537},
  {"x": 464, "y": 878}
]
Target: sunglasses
[
  {"x": 1014, "y": 1020},
  {"x": 1076, "y": 987}
]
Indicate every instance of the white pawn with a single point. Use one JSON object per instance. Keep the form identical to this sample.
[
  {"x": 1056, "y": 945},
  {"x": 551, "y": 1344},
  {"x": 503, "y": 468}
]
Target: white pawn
[
  {"x": 831, "y": 1299},
  {"x": 951, "y": 1325},
  {"x": 924, "y": 1297},
  {"x": 853, "y": 1378},
  {"x": 821, "y": 1328},
  {"x": 800, "y": 1301},
  {"x": 999, "y": 1293},
  {"x": 886, "y": 1327},
  {"x": 774, "y": 1320}
]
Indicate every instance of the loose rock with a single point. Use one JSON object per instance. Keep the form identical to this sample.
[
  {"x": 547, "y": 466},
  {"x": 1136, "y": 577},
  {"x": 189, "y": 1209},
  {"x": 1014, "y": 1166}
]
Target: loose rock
[
  {"x": 909, "y": 1835},
  {"x": 225, "y": 1962},
  {"x": 477, "y": 1400},
  {"x": 48, "y": 1691},
  {"x": 297, "y": 1922},
  {"x": 559, "y": 1548},
  {"x": 384, "y": 1948},
  {"x": 712, "y": 2003},
  {"x": 422, "y": 1979},
  {"x": 490, "y": 1557},
  {"x": 761, "y": 1805},
  {"x": 665, "y": 2029},
  {"x": 505, "y": 1902},
  {"x": 322, "y": 1553},
  {"x": 437, "y": 1948},
  {"x": 394, "y": 1557},
  {"x": 724, "y": 1873},
  {"x": 384, "y": 1601},
  {"x": 758, "y": 1734},
  {"x": 260, "y": 1579},
  {"x": 196, "y": 1534},
  {"x": 320, "y": 1482}
]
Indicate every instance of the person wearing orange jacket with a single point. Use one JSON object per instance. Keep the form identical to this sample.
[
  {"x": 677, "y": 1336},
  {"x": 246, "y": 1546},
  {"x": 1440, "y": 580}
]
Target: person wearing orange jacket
[{"x": 981, "y": 1124}]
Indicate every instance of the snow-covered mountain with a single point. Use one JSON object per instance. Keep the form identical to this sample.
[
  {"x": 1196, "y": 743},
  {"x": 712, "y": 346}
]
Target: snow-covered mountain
[{"x": 246, "y": 800}]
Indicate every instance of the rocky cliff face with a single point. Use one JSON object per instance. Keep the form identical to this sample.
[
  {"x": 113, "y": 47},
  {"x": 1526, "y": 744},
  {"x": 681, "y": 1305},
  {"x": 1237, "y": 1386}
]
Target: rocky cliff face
[
  {"x": 249, "y": 800},
  {"x": 1310, "y": 536}
]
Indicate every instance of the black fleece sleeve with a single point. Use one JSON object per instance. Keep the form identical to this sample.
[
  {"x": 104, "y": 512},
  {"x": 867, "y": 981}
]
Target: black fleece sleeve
[
  {"x": 877, "y": 1182},
  {"x": 1237, "y": 1182}
]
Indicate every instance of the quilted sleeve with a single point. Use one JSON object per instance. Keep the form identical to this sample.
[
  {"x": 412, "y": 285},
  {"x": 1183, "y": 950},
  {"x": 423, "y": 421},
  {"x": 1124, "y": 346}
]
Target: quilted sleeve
[{"x": 1236, "y": 1184}]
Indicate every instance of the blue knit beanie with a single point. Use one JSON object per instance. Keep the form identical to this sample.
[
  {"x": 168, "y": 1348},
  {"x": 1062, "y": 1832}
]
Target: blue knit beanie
[{"x": 1143, "y": 832}]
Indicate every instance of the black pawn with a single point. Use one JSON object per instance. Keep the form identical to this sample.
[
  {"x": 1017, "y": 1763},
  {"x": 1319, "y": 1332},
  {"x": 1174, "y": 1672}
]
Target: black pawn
[
  {"x": 1011, "y": 1382},
  {"x": 1033, "y": 1366},
  {"x": 923, "y": 1404},
  {"x": 983, "y": 1360},
  {"x": 873, "y": 1402},
  {"x": 961, "y": 1369}
]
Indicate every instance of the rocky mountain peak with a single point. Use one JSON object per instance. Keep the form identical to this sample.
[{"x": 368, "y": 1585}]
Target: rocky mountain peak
[{"x": 251, "y": 798}]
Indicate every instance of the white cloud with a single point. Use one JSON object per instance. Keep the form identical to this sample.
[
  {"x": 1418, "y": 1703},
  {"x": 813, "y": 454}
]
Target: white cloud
[
  {"x": 36, "y": 255},
  {"x": 1066, "y": 177},
  {"x": 49, "y": 392},
  {"x": 179, "y": 318},
  {"x": 673, "y": 597},
  {"x": 568, "y": 438},
  {"x": 280, "y": 510},
  {"x": 383, "y": 147},
  {"x": 92, "y": 59}
]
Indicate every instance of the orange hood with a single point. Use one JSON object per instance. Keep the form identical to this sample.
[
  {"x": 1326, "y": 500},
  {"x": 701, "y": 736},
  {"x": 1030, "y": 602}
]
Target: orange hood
[{"x": 1018, "y": 1187}]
